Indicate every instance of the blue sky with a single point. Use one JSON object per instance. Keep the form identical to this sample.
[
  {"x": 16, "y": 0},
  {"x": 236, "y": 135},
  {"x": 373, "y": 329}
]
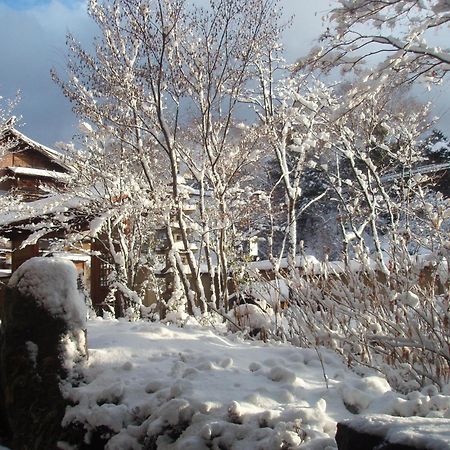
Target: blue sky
[
  {"x": 28, "y": 4},
  {"x": 32, "y": 41},
  {"x": 23, "y": 4}
]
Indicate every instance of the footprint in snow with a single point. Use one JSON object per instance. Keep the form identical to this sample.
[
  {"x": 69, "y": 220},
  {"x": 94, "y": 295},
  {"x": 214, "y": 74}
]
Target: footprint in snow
[
  {"x": 285, "y": 396},
  {"x": 296, "y": 357},
  {"x": 154, "y": 386},
  {"x": 206, "y": 365},
  {"x": 270, "y": 362},
  {"x": 226, "y": 363},
  {"x": 254, "y": 367},
  {"x": 127, "y": 365},
  {"x": 180, "y": 387},
  {"x": 190, "y": 372},
  {"x": 177, "y": 369},
  {"x": 281, "y": 374}
]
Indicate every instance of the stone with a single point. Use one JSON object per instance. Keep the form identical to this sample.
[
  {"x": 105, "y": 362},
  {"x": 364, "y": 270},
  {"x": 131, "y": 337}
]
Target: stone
[
  {"x": 33, "y": 367},
  {"x": 349, "y": 439},
  {"x": 385, "y": 432}
]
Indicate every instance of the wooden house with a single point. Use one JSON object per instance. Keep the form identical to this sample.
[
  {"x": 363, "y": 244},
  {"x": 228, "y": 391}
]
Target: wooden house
[
  {"x": 28, "y": 168},
  {"x": 36, "y": 176}
]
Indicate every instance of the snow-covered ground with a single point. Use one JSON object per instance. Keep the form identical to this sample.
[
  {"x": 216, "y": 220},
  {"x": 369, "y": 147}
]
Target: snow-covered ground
[{"x": 159, "y": 386}]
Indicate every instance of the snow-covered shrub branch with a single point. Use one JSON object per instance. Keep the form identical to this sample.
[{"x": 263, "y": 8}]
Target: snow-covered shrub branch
[
  {"x": 362, "y": 30},
  {"x": 396, "y": 322}
]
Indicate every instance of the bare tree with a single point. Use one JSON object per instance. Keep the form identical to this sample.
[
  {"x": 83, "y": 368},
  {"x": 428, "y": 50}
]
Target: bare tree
[{"x": 162, "y": 66}]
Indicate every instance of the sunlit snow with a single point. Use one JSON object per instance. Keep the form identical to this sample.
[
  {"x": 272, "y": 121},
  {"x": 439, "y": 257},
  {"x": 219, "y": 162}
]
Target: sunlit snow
[{"x": 194, "y": 387}]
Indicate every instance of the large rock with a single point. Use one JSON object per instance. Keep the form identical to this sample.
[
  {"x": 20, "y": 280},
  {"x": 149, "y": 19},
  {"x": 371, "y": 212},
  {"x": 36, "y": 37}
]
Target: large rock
[
  {"x": 383, "y": 432},
  {"x": 42, "y": 339}
]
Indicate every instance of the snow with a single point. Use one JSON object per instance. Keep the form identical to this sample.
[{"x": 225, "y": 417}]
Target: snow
[
  {"x": 310, "y": 264},
  {"x": 72, "y": 256},
  {"x": 97, "y": 224},
  {"x": 409, "y": 299},
  {"x": 251, "y": 317},
  {"x": 39, "y": 173},
  {"x": 308, "y": 261},
  {"x": 439, "y": 147},
  {"x": 4, "y": 273},
  {"x": 53, "y": 283},
  {"x": 270, "y": 292},
  {"x": 198, "y": 388}
]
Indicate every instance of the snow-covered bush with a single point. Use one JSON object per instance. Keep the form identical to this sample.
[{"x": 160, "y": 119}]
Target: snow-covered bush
[
  {"x": 252, "y": 318},
  {"x": 396, "y": 322},
  {"x": 385, "y": 305}
]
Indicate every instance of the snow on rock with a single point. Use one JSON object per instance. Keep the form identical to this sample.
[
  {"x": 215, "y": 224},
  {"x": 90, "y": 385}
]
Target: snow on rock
[
  {"x": 365, "y": 393},
  {"x": 53, "y": 283},
  {"x": 418, "y": 432},
  {"x": 154, "y": 385}
]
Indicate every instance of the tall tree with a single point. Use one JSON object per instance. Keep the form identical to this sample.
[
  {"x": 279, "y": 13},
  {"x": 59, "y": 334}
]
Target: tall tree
[{"x": 160, "y": 67}]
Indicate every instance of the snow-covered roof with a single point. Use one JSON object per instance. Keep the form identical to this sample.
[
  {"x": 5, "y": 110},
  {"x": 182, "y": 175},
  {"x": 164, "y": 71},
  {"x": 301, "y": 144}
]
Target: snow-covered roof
[
  {"x": 48, "y": 206},
  {"x": 309, "y": 263},
  {"x": 54, "y": 155},
  {"x": 313, "y": 266},
  {"x": 300, "y": 261},
  {"x": 42, "y": 173},
  {"x": 72, "y": 256},
  {"x": 56, "y": 212},
  {"x": 422, "y": 170}
]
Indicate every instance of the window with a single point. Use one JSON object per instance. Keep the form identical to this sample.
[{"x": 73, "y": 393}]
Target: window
[{"x": 105, "y": 270}]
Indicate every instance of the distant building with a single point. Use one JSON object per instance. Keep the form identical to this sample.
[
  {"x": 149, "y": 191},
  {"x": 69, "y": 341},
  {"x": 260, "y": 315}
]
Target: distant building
[{"x": 438, "y": 176}]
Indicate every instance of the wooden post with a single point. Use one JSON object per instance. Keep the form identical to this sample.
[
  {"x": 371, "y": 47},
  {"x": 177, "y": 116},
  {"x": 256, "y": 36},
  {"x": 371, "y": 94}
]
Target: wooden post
[{"x": 20, "y": 255}]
